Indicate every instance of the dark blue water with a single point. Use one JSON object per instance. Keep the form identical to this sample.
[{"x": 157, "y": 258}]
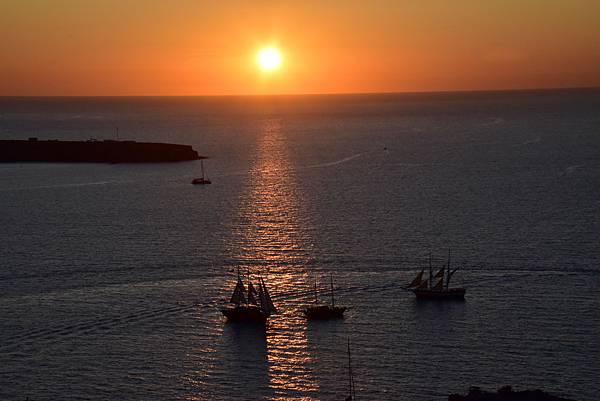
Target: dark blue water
[{"x": 111, "y": 276}]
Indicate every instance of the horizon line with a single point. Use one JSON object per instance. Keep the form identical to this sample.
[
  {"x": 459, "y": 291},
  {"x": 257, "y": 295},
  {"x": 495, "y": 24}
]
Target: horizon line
[{"x": 443, "y": 91}]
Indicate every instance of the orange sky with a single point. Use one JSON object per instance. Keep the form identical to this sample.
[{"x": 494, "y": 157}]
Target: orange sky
[{"x": 192, "y": 47}]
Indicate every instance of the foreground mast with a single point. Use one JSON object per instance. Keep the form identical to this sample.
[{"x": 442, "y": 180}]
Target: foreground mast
[{"x": 351, "y": 388}]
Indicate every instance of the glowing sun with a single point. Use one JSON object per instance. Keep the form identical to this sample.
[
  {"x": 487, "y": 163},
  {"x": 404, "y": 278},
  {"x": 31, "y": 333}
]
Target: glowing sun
[{"x": 268, "y": 59}]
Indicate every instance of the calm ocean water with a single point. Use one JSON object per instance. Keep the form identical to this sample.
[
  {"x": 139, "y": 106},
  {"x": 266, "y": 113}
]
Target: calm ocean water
[{"x": 111, "y": 275}]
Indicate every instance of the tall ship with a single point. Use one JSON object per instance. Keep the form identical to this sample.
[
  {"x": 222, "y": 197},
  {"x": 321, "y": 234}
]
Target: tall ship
[
  {"x": 251, "y": 304},
  {"x": 425, "y": 289}
]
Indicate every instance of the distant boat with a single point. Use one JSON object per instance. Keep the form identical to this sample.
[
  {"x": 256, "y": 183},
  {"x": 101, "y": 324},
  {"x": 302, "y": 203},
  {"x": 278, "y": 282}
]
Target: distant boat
[
  {"x": 249, "y": 305},
  {"x": 423, "y": 289},
  {"x": 202, "y": 180},
  {"x": 323, "y": 311}
]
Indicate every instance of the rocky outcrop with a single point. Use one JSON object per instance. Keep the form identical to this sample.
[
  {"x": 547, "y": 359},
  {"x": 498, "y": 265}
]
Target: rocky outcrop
[{"x": 505, "y": 394}]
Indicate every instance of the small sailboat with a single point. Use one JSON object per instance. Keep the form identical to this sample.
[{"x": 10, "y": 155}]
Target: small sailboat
[
  {"x": 201, "y": 180},
  {"x": 249, "y": 305},
  {"x": 323, "y": 311},
  {"x": 424, "y": 289}
]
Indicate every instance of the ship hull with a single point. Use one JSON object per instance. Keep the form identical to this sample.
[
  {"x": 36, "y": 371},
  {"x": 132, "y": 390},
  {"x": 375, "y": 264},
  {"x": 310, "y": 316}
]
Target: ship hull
[
  {"x": 452, "y": 294},
  {"x": 324, "y": 312},
  {"x": 245, "y": 314}
]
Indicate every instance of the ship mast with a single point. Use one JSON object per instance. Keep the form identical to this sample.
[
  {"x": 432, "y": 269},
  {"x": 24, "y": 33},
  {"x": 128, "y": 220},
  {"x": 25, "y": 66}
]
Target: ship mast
[
  {"x": 116, "y": 127},
  {"x": 430, "y": 272},
  {"x": 352, "y": 396},
  {"x": 238, "y": 296},
  {"x": 332, "y": 298},
  {"x": 247, "y": 269},
  {"x": 448, "y": 275}
]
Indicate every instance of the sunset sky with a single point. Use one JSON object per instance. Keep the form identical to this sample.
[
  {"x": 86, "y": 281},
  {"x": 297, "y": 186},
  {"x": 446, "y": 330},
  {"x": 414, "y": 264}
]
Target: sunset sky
[{"x": 181, "y": 47}]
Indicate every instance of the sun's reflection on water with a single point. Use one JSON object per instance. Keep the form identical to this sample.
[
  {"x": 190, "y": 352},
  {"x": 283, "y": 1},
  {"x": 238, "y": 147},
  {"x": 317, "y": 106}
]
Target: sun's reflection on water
[
  {"x": 274, "y": 233},
  {"x": 274, "y": 241}
]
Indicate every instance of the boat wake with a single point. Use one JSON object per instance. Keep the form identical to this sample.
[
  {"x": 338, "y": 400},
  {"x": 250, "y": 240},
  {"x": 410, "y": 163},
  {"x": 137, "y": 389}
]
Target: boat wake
[
  {"x": 492, "y": 122},
  {"x": 82, "y": 184},
  {"x": 17, "y": 342},
  {"x": 90, "y": 326},
  {"x": 299, "y": 168},
  {"x": 570, "y": 170},
  {"x": 336, "y": 162},
  {"x": 529, "y": 142}
]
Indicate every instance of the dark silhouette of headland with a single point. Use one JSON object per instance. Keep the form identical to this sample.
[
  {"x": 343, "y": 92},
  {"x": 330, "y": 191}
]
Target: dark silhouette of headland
[
  {"x": 93, "y": 151},
  {"x": 505, "y": 393}
]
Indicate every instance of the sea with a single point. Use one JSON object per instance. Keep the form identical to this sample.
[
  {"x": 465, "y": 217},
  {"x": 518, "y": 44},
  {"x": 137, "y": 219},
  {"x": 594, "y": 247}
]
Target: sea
[{"x": 112, "y": 275}]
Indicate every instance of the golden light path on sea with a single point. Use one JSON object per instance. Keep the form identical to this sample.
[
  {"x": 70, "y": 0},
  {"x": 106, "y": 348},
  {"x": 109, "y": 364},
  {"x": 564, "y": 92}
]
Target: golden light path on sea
[{"x": 275, "y": 244}]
